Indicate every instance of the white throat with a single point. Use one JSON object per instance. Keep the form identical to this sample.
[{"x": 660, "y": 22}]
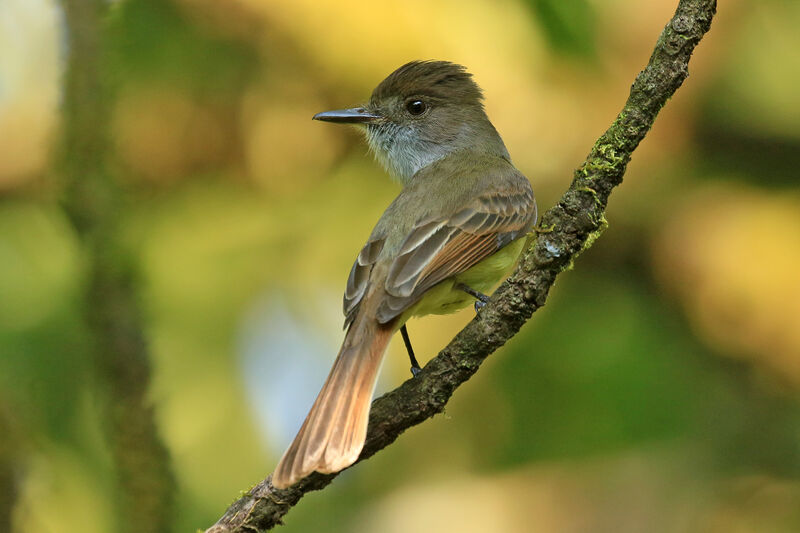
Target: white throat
[{"x": 401, "y": 151}]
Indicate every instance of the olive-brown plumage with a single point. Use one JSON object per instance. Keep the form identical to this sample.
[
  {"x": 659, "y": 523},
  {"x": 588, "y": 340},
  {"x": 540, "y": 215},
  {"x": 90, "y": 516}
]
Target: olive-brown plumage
[{"x": 458, "y": 220}]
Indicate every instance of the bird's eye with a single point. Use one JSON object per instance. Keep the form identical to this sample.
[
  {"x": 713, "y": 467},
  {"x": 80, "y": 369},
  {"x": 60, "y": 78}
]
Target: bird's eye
[{"x": 416, "y": 107}]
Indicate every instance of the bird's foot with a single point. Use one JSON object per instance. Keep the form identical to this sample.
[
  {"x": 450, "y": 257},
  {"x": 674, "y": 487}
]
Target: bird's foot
[{"x": 480, "y": 299}]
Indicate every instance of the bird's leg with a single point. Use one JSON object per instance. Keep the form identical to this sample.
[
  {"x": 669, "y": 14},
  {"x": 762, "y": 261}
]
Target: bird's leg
[
  {"x": 480, "y": 298},
  {"x": 415, "y": 368}
]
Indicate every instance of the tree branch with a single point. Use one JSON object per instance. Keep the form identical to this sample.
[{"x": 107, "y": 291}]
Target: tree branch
[{"x": 565, "y": 231}]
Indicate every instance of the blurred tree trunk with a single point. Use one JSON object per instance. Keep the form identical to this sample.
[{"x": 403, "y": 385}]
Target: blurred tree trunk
[
  {"x": 94, "y": 201},
  {"x": 9, "y": 466}
]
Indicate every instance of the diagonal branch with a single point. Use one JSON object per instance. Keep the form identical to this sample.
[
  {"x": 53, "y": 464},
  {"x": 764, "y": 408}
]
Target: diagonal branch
[{"x": 566, "y": 230}]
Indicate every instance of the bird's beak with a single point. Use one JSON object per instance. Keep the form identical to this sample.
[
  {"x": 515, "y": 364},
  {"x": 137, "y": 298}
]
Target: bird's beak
[{"x": 355, "y": 115}]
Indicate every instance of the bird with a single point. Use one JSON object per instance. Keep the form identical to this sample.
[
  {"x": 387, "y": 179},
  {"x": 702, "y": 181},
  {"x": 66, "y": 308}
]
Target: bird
[{"x": 456, "y": 229}]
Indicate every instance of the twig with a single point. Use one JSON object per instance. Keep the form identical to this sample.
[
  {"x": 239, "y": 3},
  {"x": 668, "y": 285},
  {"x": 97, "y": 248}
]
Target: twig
[{"x": 572, "y": 226}]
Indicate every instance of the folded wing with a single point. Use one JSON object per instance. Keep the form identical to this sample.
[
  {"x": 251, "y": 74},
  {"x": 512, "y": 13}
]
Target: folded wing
[{"x": 437, "y": 250}]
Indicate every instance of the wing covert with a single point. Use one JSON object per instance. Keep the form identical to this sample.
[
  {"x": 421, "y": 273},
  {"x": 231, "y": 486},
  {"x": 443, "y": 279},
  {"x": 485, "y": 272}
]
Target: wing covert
[
  {"x": 358, "y": 280},
  {"x": 438, "y": 249}
]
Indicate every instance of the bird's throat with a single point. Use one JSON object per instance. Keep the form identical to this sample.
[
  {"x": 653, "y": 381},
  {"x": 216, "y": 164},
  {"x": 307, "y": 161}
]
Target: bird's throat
[{"x": 401, "y": 151}]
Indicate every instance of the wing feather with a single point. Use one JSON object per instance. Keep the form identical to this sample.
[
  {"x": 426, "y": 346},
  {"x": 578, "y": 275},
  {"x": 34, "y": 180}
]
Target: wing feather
[
  {"x": 439, "y": 247},
  {"x": 358, "y": 280},
  {"x": 458, "y": 243}
]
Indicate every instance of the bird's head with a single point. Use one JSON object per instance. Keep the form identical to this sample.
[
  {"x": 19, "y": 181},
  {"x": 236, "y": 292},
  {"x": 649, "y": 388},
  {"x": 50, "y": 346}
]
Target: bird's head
[{"x": 419, "y": 114}]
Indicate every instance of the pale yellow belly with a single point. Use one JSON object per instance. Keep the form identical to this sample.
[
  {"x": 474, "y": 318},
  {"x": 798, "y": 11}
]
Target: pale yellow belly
[{"x": 444, "y": 298}]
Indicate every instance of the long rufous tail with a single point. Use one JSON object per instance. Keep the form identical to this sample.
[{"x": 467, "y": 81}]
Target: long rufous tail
[{"x": 334, "y": 431}]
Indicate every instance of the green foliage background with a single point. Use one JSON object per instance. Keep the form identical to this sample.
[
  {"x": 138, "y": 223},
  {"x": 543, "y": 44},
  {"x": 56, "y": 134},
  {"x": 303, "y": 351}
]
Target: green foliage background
[{"x": 656, "y": 391}]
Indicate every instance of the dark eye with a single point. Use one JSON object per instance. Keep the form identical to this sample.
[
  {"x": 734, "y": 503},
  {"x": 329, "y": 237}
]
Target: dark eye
[{"x": 416, "y": 107}]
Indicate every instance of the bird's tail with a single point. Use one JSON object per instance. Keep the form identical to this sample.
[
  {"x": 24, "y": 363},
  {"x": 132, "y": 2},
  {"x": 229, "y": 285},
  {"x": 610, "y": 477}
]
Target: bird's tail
[{"x": 334, "y": 431}]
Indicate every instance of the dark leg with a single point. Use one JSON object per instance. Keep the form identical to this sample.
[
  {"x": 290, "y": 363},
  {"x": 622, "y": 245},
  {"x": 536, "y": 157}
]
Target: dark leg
[
  {"x": 481, "y": 299},
  {"x": 415, "y": 368}
]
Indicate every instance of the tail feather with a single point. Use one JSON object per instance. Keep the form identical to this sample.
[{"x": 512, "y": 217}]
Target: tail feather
[
  {"x": 321, "y": 432},
  {"x": 333, "y": 434}
]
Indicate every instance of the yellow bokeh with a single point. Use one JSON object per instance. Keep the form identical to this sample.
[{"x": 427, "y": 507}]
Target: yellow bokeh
[
  {"x": 626, "y": 405},
  {"x": 732, "y": 256}
]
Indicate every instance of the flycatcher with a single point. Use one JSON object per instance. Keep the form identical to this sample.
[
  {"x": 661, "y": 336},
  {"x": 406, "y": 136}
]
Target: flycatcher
[{"x": 452, "y": 233}]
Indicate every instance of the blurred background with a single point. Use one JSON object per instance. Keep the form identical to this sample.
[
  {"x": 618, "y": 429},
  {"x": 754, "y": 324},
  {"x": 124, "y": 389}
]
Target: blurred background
[{"x": 658, "y": 390}]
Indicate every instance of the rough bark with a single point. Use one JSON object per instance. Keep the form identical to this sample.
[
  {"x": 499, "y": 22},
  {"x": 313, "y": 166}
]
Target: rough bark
[{"x": 565, "y": 231}]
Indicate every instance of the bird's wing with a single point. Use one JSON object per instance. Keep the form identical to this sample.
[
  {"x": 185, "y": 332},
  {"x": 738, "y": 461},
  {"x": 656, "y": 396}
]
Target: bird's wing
[
  {"x": 358, "y": 280},
  {"x": 437, "y": 248}
]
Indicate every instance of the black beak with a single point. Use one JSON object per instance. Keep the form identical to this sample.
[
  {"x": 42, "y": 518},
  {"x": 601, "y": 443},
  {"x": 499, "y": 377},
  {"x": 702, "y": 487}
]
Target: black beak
[{"x": 356, "y": 115}]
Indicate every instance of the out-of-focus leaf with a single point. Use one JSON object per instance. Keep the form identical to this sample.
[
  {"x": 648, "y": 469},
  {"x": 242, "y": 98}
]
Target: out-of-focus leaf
[
  {"x": 731, "y": 256},
  {"x": 43, "y": 359},
  {"x": 744, "y": 155},
  {"x": 570, "y": 27},
  {"x": 749, "y": 123},
  {"x": 755, "y": 88},
  {"x": 152, "y": 40},
  {"x": 575, "y": 394}
]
